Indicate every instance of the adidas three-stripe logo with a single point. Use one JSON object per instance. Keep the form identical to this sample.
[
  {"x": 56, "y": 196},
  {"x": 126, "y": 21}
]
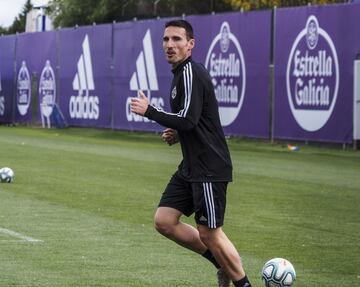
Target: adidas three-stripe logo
[
  {"x": 84, "y": 106},
  {"x": 209, "y": 202},
  {"x": 145, "y": 78},
  {"x": 84, "y": 79},
  {"x": 188, "y": 79}
]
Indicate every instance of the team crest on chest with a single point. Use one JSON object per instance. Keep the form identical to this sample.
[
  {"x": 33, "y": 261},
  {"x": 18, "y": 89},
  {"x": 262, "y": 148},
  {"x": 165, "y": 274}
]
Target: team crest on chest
[{"x": 173, "y": 93}]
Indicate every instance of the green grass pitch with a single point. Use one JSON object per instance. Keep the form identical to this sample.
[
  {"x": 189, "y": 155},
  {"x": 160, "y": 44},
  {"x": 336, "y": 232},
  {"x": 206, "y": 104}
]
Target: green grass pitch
[{"x": 90, "y": 195}]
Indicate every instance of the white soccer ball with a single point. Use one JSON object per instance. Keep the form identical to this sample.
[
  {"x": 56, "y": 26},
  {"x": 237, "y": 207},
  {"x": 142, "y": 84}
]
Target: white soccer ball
[
  {"x": 6, "y": 174},
  {"x": 278, "y": 272}
]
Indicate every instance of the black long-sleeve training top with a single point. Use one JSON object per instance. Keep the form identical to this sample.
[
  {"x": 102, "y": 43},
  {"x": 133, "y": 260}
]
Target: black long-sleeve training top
[{"x": 195, "y": 116}]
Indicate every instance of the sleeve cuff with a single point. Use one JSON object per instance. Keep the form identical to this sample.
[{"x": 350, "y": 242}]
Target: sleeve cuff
[{"x": 149, "y": 112}]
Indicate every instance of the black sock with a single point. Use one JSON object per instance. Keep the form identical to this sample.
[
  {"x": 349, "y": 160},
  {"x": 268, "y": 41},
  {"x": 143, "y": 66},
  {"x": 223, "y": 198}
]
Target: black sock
[
  {"x": 208, "y": 255},
  {"x": 244, "y": 282}
]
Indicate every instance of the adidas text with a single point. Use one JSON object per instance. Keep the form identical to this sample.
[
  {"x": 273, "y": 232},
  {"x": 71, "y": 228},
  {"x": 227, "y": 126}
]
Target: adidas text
[
  {"x": 131, "y": 117},
  {"x": 86, "y": 107}
]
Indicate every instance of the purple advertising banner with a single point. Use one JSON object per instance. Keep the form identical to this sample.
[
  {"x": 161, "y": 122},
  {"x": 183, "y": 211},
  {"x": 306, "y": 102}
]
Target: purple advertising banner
[
  {"x": 139, "y": 64},
  {"x": 7, "y": 58},
  {"x": 32, "y": 64},
  {"x": 94, "y": 71},
  {"x": 238, "y": 62},
  {"x": 236, "y": 58},
  {"x": 85, "y": 75},
  {"x": 314, "y": 54}
]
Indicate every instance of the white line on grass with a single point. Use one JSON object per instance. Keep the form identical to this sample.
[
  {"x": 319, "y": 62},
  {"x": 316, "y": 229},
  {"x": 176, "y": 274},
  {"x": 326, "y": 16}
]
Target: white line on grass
[{"x": 19, "y": 235}]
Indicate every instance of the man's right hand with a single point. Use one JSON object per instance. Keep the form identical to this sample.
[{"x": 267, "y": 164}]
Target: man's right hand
[{"x": 170, "y": 136}]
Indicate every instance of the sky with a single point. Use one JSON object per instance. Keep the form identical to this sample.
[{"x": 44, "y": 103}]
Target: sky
[{"x": 9, "y": 9}]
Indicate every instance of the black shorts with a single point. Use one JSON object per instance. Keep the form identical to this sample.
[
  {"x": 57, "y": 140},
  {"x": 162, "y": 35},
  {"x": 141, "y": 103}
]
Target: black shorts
[{"x": 206, "y": 199}]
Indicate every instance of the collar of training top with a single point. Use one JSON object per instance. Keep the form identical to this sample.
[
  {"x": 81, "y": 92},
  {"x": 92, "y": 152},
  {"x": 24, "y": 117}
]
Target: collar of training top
[{"x": 181, "y": 65}]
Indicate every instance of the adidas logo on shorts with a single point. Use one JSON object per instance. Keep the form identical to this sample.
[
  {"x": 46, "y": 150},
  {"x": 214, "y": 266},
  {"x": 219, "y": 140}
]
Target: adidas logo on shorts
[{"x": 203, "y": 219}]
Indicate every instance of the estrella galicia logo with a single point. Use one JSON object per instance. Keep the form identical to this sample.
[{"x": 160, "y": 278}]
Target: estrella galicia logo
[
  {"x": 23, "y": 89},
  {"x": 47, "y": 90},
  {"x": 226, "y": 65},
  {"x": 312, "y": 76}
]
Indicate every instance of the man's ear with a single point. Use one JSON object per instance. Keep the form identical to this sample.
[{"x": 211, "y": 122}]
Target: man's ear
[{"x": 191, "y": 44}]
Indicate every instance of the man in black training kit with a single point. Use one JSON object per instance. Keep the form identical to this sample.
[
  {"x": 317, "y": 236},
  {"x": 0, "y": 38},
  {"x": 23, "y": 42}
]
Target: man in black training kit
[{"x": 199, "y": 185}]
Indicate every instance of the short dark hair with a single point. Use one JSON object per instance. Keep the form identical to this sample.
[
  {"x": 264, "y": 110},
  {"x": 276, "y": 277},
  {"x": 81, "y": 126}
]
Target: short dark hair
[{"x": 182, "y": 24}]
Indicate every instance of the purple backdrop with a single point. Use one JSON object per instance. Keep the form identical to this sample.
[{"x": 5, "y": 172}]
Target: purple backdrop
[
  {"x": 85, "y": 75},
  {"x": 95, "y": 71},
  {"x": 30, "y": 62},
  {"x": 228, "y": 40},
  {"x": 315, "y": 50},
  {"x": 237, "y": 59},
  {"x": 139, "y": 64},
  {"x": 7, "y": 57}
]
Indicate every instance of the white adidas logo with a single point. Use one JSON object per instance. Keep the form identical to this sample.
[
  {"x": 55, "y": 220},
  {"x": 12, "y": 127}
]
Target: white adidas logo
[
  {"x": 203, "y": 219},
  {"x": 84, "y": 106},
  {"x": 84, "y": 79},
  {"x": 144, "y": 78},
  {"x": 2, "y": 101}
]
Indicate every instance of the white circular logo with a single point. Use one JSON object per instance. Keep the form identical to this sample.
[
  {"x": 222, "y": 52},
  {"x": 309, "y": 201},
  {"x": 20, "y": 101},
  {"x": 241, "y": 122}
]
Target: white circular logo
[
  {"x": 226, "y": 66},
  {"x": 312, "y": 77},
  {"x": 47, "y": 90},
  {"x": 312, "y": 27},
  {"x": 23, "y": 89}
]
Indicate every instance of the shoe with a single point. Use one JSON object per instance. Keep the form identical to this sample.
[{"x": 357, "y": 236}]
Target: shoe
[{"x": 223, "y": 279}]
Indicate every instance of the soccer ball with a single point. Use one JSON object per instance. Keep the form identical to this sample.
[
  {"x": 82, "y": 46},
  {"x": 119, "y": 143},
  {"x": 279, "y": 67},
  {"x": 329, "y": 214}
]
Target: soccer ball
[
  {"x": 278, "y": 272},
  {"x": 6, "y": 174}
]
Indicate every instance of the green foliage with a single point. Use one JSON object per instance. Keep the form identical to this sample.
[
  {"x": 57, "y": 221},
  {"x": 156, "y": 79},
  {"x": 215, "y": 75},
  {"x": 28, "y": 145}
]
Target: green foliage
[
  {"x": 267, "y": 4},
  {"x": 3, "y": 31},
  {"x": 72, "y": 12},
  {"x": 90, "y": 195},
  {"x": 69, "y": 13},
  {"x": 18, "y": 26}
]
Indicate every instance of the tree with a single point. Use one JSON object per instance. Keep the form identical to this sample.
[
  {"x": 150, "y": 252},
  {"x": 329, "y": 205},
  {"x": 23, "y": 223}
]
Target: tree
[
  {"x": 266, "y": 4},
  {"x": 68, "y": 13},
  {"x": 3, "y": 30},
  {"x": 187, "y": 7},
  {"x": 20, "y": 21}
]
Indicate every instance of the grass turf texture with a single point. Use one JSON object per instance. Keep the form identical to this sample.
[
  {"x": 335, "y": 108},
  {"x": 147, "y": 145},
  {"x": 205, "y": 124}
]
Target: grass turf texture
[{"x": 90, "y": 196}]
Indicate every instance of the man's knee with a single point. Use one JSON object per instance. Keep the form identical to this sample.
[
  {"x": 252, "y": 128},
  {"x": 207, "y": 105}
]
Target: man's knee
[
  {"x": 165, "y": 221},
  {"x": 209, "y": 236},
  {"x": 162, "y": 225}
]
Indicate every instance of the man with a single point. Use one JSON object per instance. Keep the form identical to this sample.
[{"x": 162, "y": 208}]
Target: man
[{"x": 199, "y": 185}]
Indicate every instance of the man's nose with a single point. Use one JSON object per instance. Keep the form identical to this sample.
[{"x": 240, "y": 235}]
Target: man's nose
[{"x": 170, "y": 44}]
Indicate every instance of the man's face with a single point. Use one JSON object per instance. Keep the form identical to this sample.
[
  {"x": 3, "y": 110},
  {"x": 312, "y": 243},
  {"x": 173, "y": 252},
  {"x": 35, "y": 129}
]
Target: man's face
[{"x": 176, "y": 45}]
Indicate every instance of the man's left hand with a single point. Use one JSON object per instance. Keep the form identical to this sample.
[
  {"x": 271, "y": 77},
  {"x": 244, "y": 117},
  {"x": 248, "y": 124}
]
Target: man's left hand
[{"x": 140, "y": 104}]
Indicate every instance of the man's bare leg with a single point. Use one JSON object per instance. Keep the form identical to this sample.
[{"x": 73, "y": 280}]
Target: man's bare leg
[
  {"x": 223, "y": 250},
  {"x": 167, "y": 223}
]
